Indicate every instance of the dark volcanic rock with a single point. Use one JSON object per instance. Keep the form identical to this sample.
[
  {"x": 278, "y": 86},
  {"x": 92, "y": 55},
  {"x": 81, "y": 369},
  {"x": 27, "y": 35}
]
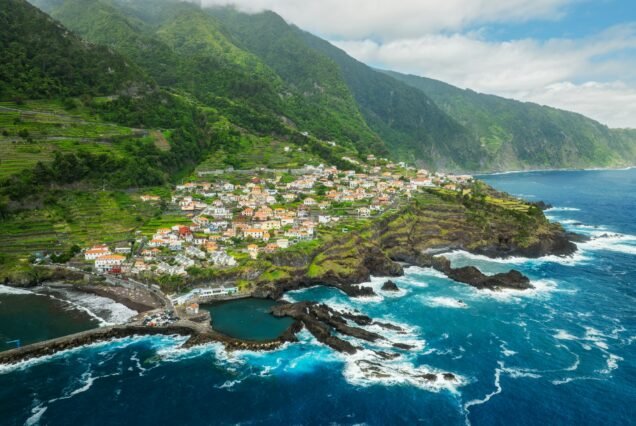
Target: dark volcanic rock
[
  {"x": 403, "y": 346},
  {"x": 322, "y": 321},
  {"x": 542, "y": 205},
  {"x": 388, "y": 326},
  {"x": 469, "y": 274},
  {"x": 557, "y": 243},
  {"x": 390, "y": 286},
  {"x": 473, "y": 276}
]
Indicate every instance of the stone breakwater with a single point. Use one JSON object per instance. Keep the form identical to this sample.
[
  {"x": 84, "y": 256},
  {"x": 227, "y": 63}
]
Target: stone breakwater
[{"x": 199, "y": 334}]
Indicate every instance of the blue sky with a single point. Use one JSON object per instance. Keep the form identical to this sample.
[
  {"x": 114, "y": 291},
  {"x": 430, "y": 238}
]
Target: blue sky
[
  {"x": 578, "y": 55},
  {"x": 577, "y": 19}
]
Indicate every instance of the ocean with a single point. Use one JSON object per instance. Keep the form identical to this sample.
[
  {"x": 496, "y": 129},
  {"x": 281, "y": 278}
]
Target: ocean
[{"x": 562, "y": 354}]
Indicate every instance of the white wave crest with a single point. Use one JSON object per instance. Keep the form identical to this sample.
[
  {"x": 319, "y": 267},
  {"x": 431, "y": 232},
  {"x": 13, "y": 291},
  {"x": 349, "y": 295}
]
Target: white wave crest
[
  {"x": 563, "y": 209},
  {"x": 103, "y": 309},
  {"x": 366, "y": 368},
  {"x": 4, "y": 289},
  {"x": 444, "y": 302},
  {"x": 616, "y": 242},
  {"x": 575, "y": 258}
]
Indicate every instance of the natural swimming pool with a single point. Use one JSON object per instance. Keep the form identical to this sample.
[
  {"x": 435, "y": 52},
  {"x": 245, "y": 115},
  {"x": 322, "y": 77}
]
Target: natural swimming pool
[{"x": 247, "y": 319}]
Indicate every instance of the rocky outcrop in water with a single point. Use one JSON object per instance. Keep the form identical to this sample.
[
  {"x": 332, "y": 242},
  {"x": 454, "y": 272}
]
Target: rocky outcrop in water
[
  {"x": 390, "y": 286},
  {"x": 468, "y": 274},
  {"x": 325, "y": 323}
]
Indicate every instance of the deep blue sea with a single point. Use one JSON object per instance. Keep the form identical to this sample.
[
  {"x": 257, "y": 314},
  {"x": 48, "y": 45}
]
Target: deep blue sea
[{"x": 562, "y": 354}]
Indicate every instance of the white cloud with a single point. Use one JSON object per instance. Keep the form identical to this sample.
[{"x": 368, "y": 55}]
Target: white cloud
[{"x": 346, "y": 19}]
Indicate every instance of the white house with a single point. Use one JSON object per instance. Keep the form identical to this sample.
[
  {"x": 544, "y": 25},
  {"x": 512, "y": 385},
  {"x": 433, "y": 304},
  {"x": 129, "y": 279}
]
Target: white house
[
  {"x": 108, "y": 262},
  {"x": 96, "y": 251},
  {"x": 364, "y": 212}
]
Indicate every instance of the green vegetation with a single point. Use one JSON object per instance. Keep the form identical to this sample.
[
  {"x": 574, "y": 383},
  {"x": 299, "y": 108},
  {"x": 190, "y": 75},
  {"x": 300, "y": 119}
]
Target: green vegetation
[
  {"x": 69, "y": 218},
  {"x": 517, "y": 135},
  {"x": 39, "y": 59}
]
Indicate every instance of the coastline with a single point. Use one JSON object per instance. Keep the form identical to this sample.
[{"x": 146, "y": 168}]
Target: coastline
[
  {"x": 590, "y": 169},
  {"x": 344, "y": 262}
]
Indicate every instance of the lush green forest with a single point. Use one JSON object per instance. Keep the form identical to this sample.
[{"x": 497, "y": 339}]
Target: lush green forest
[
  {"x": 270, "y": 78},
  {"x": 39, "y": 58},
  {"x": 517, "y": 134}
]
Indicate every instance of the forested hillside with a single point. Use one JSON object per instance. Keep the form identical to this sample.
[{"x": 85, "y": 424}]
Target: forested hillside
[
  {"x": 519, "y": 135},
  {"x": 39, "y": 58},
  {"x": 270, "y": 78}
]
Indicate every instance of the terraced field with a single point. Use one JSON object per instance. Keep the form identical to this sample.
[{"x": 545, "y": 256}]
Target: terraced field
[
  {"x": 252, "y": 152},
  {"x": 81, "y": 218},
  {"x": 165, "y": 221},
  {"x": 33, "y": 131}
]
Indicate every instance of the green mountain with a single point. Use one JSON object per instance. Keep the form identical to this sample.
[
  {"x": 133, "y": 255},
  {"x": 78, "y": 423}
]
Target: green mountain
[
  {"x": 520, "y": 135},
  {"x": 410, "y": 124},
  {"x": 184, "y": 47},
  {"x": 317, "y": 92},
  {"x": 39, "y": 58},
  {"x": 272, "y": 78}
]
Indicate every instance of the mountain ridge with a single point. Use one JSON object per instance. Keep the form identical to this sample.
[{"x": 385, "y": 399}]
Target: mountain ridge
[{"x": 267, "y": 75}]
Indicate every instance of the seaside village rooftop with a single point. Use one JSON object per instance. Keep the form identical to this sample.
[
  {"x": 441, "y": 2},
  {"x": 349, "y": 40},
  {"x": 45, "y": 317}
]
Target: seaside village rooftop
[{"x": 225, "y": 221}]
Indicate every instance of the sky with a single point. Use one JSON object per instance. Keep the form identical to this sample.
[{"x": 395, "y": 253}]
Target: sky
[{"x": 579, "y": 55}]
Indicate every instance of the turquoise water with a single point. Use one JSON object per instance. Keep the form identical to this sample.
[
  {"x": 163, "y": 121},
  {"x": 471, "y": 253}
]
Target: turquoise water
[
  {"x": 562, "y": 354},
  {"x": 32, "y": 318},
  {"x": 247, "y": 319}
]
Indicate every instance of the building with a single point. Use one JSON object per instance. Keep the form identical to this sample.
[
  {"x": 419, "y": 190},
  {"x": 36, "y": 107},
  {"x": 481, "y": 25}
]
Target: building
[
  {"x": 364, "y": 212},
  {"x": 109, "y": 262},
  {"x": 96, "y": 251},
  {"x": 257, "y": 234},
  {"x": 192, "y": 309},
  {"x": 252, "y": 250}
]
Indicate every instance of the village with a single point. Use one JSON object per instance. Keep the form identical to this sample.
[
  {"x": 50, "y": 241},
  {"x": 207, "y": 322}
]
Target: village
[{"x": 234, "y": 219}]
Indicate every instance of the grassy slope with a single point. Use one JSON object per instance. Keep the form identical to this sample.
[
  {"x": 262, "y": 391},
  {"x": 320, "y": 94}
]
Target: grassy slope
[
  {"x": 525, "y": 135},
  {"x": 50, "y": 128}
]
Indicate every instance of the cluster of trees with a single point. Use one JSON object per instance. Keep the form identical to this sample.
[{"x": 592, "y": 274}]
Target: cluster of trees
[{"x": 40, "y": 59}]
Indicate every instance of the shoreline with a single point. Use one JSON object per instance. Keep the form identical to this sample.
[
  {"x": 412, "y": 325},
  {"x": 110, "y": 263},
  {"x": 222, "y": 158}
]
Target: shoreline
[
  {"x": 591, "y": 169},
  {"x": 202, "y": 332},
  {"x": 347, "y": 263}
]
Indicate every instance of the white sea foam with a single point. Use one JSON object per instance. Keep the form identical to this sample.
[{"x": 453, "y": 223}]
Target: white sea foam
[
  {"x": 366, "y": 368},
  {"x": 506, "y": 351},
  {"x": 103, "y": 309},
  {"x": 109, "y": 345},
  {"x": 564, "y": 335},
  {"x": 572, "y": 379},
  {"x": 36, "y": 415},
  {"x": 444, "y": 302},
  {"x": 87, "y": 381},
  {"x": 612, "y": 363},
  {"x": 516, "y": 373},
  {"x": 487, "y": 397},
  {"x": 622, "y": 243},
  {"x": 416, "y": 270},
  {"x": 541, "y": 289},
  {"x": 4, "y": 289},
  {"x": 563, "y": 209},
  {"x": 575, "y": 258}
]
